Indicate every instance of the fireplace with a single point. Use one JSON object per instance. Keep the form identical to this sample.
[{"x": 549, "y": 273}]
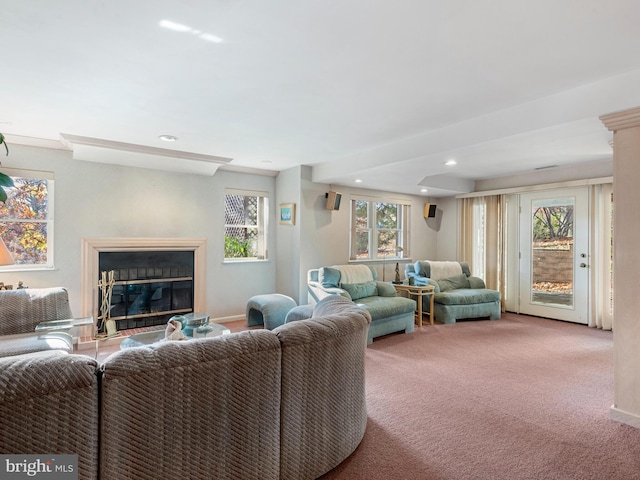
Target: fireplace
[
  {"x": 149, "y": 286},
  {"x": 154, "y": 278}
]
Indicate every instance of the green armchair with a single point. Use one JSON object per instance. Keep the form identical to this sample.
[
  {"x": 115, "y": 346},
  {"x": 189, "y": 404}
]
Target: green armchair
[{"x": 389, "y": 312}]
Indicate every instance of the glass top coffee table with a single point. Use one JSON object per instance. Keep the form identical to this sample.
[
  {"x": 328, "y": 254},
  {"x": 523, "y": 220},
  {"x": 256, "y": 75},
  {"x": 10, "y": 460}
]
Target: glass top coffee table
[
  {"x": 157, "y": 334},
  {"x": 64, "y": 325}
]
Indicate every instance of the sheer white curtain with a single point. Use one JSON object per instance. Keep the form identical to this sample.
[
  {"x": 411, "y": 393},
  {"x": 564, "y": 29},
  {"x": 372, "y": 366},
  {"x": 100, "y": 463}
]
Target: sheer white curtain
[
  {"x": 601, "y": 263},
  {"x": 481, "y": 238}
]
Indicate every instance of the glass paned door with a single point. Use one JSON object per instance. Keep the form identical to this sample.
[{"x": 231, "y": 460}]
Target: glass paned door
[{"x": 554, "y": 253}]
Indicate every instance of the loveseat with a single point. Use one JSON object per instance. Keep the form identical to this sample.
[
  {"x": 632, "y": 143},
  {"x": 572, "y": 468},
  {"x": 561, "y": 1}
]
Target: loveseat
[
  {"x": 458, "y": 295},
  {"x": 389, "y": 313},
  {"x": 258, "y": 404}
]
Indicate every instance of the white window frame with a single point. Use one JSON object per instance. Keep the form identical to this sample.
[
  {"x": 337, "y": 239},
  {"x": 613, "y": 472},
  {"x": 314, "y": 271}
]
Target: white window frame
[
  {"x": 262, "y": 226},
  {"x": 49, "y": 221},
  {"x": 402, "y": 229}
]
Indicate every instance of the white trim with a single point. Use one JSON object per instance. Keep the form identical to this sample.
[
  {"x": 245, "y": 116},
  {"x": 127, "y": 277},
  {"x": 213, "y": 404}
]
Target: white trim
[
  {"x": 621, "y": 416},
  {"x": 49, "y": 221},
  {"x": 232, "y": 318},
  {"x": 540, "y": 187},
  {"x": 24, "y": 173},
  {"x": 379, "y": 198},
  {"x": 91, "y": 247},
  {"x": 245, "y": 193},
  {"x": 72, "y": 141}
]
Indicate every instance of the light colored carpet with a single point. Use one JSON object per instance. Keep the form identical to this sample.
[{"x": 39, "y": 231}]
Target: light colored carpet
[{"x": 517, "y": 398}]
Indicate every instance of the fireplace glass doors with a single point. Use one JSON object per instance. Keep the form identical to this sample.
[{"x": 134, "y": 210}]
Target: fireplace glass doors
[{"x": 149, "y": 287}]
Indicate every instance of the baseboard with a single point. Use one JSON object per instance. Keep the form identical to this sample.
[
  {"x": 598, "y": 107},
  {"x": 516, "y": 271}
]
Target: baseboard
[
  {"x": 232, "y": 318},
  {"x": 621, "y": 416}
]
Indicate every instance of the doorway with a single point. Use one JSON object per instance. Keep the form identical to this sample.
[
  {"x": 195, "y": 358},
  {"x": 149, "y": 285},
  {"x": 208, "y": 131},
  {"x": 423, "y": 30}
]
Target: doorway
[{"x": 554, "y": 254}]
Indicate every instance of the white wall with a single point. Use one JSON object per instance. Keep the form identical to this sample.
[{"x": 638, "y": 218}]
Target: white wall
[
  {"x": 99, "y": 200},
  {"x": 447, "y": 224},
  {"x": 325, "y": 233},
  {"x": 288, "y": 236},
  {"x": 626, "y": 238}
]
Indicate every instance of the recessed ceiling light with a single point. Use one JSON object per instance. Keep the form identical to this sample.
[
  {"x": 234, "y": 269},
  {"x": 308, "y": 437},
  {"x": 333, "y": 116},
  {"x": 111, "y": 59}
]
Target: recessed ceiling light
[
  {"x": 168, "y": 138},
  {"x": 424, "y": 190},
  {"x": 176, "y": 27},
  {"x": 179, "y": 27},
  {"x": 357, "y": 180},
  {"x": 211, "y": 38},
  {"x": 450, "y": 163}
]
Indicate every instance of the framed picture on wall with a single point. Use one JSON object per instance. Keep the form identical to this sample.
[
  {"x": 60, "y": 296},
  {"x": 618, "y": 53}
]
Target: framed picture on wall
[{"x": 287, "y": 214}]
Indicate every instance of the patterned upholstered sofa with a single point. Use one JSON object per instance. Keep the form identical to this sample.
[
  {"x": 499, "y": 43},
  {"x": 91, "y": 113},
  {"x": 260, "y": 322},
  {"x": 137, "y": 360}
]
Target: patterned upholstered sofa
[
  {"x": 458, "y": 295},
  {"x": 22, "y": 310},
  {"x": 227, "y": 407},
  {"x": 389, "y": 312}
]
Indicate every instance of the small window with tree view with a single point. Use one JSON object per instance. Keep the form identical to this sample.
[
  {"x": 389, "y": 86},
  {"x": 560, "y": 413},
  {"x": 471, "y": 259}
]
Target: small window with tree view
[
  {"x": 26, "y": 223},
  {"x": 246, "y": 217},
  {"x": 379, "y": 230}
]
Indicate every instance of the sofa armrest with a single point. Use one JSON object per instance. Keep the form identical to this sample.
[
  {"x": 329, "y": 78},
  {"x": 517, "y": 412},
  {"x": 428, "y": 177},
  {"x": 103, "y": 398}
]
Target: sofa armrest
[
  {"x": 21, "y": 310},
  {"x": 418, "y": 280},
  {"x": 476, "y": 282},
  {"x": 50, "y": 404},
  {"x": 317, "y": 292},
  {"x": 385, "y": 289}
]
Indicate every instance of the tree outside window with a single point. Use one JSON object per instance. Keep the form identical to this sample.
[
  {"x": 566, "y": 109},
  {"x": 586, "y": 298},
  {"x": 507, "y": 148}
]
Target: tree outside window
[
  {"x": 378, "y": 229},
  {"x": 25, "y": 224},
  {"x": 245, "y": 226}
]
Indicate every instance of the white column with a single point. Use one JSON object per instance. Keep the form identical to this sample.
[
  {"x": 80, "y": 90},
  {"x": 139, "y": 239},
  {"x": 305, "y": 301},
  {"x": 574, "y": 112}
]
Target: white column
[{"x": 626, "y": 264}]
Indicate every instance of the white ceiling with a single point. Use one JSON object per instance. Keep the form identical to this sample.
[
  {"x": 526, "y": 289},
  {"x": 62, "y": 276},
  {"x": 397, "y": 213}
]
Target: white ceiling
[{"x": 385, "y": 91}]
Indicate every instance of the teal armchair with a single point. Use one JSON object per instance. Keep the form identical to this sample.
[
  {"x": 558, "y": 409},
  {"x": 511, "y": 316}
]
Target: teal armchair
[
  {"x": 457, "y": 294},
  {"x": 389, "y": 312}
]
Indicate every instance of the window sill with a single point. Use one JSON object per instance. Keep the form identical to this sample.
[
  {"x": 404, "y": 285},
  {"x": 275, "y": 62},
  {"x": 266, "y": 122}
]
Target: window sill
[
  {"x": 26, "y": 268},
  {"x": 231, "y": 261},
  {"x": 380, "y": 260}
]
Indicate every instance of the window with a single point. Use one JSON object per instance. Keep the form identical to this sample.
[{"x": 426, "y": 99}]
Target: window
[
  {"x": 379, "y": 230},
  {"x": 245, "y": 225},
  {"x": 26, "y": 220}
]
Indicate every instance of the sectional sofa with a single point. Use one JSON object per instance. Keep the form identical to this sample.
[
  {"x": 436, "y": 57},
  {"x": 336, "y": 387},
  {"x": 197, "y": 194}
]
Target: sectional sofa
[
  {"x": 282, "y": 404},
  {"x": 22, "y": 310}
]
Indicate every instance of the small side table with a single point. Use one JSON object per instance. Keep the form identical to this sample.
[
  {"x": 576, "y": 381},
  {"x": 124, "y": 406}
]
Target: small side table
[{"x": 418, "y": 291}]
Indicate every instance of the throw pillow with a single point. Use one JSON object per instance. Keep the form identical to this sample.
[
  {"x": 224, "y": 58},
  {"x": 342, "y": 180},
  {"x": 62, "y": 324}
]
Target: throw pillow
[
  {"x": 360, "y": 290},
  {"x": 453, "y": 283},
  {"x": 422, "y": 268},
  {"x": 329, "y": 277}
]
